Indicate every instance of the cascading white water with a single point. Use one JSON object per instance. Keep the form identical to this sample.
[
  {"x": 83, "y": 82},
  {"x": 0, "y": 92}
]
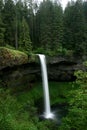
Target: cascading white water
[{"x": 47, "y": 114}]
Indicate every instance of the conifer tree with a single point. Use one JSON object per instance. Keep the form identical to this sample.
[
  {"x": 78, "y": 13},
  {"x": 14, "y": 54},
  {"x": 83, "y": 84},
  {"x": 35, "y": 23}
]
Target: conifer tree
[
  {"x": 1, "y": 5},
  {"x": 2, "y": 28},
  {"x": 31, "y": 19},
  {"x": 79, "y": 28},
  {"x": 85, "y": 10},
  {"x": 68, "y": 42},
  {"x": 75, "y": 29},
  {"x": 45, "y": 21},
  {"x": 24, "y": 39},
  {"x": 9, "y": 21},
  {"x": 57, "y": 26},
  {"x": 18, "y": 20},
  {"x": 50, "y": 25}
]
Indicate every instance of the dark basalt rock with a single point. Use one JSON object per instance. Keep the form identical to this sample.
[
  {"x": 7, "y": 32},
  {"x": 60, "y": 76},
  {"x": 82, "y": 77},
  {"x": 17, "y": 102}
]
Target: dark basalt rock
[
  {"x": 59, "y": 69},
  {"x": 19, "y": 78},
  {"x": 63, "y": 68}
]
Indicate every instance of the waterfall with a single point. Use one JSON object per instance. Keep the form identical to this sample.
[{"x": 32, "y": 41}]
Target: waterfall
[{"x": 47, "y": 112}]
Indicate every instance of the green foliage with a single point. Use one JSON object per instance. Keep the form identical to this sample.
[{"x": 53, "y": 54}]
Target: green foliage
[
  {"x": 46, "y": 28},
  {"x": 12, "y": 57},
  {"x": 24, "y": 40},
  {"x": 10, "y": 109},
  {"x": 40, "y": 50},
  {"x": 75, "y": 34},
  {"x": 50, "y": 25},
  {"x": 8, "y": 15},
  {"x": 57, "y": 26},
  {"x": 63, "y": 51},
  {"x": 2, "y": 27},
  {"x": 23, "y": 104},
  {"x": 85, "y": 63},
  {"x": 2, "y": 30},
  {"x": 6, "y": 107},
  {"x": 81, "y": 77},
  {"x": 58, "y": 51},
  {"x": 77, "y": 116},
  {"x": 10, "y": 51}
]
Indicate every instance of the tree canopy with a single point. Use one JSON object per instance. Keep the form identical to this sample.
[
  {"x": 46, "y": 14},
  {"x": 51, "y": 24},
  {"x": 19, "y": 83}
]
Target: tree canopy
[{"x": 45, "y": 26}]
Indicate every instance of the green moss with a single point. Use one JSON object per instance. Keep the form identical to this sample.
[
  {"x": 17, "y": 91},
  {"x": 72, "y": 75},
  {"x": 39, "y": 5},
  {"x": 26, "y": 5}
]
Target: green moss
[{"x": 10, "y": 57}]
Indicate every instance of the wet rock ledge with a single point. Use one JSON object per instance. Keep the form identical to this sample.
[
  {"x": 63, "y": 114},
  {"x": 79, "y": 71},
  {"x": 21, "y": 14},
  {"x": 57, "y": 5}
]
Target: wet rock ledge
[
  {"x": 16, "y": 69},
  {"x": 10, "y": 57},
  {"x": 19, "y": 70}
]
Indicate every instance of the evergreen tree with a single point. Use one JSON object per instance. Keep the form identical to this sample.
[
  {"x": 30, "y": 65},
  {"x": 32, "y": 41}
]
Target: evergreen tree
[
  {"x": 75, "y": 29},
  {"x": 37, "y": 29},
  {"x": 2, "y": 28},
  {"x": 1, "y": 5},
  {"x": 85, "y": 14},
  {"x": 24, "y": 39},
  {"x": 85, "y": 10},
  {"x": 57, "y": 26},
  {"x": 18, "y": 19},
  {"x": 9, "y": 21},
  {"x": 79, "y": 29},
  {"x": 45, "y": 21},
  {"x": 20, "y": 10},
  {"x": 31, "y": 19},
  {"x": 68, "y": 26},
  {"x": 25, "y": 11},
  {"x": 49, "y": 19}
]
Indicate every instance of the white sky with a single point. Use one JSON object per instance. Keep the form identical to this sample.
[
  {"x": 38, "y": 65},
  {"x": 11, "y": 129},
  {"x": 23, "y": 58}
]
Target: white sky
[{"x": 63, "y": 2}]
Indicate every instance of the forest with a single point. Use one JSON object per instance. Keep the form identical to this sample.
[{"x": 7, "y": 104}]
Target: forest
[
  {"x": 27, "y": 28},
  {"x": 44, "y": 27}
]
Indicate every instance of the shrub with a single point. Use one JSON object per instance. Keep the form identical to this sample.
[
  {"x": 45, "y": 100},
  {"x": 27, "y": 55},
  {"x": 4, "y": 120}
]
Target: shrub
[{"x": 77, "y": 116}]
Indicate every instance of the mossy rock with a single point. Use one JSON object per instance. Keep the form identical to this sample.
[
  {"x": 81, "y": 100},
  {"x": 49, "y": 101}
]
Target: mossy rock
[{"x": 10, "y": 57}]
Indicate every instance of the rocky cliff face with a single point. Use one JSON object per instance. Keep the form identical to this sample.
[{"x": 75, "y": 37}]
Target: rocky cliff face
[
  {"x": 13, "y": 72},
  {"x": 59, "y": 69},
  {"x": 19, "y": 71},
  {"x": 63, "y": 70},
  {"x": 19, "y": 77},
  {"x": 11, "y": 57}
]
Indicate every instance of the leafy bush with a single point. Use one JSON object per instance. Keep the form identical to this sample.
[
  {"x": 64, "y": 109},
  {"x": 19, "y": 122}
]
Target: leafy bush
[
  {"x": 9, "y": 46},
  {"x": 77, "y": 116},
  {"x": 16, "y": 114},
  {"x": 6, "y": 106},
  {"x": 39, "y": 50}
]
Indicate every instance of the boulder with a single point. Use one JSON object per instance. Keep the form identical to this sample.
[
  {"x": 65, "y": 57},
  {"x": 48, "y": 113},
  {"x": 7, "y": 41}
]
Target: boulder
[{"x": 11, "y": 57}]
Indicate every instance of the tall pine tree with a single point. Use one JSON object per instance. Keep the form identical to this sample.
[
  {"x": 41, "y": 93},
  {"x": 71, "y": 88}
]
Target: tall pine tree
[
  {"x": 74, "y": 28},
  {"x": 24, "y": 39},
  {"x": 68, "y": 25},
  {"x": 79, "y": 28},
  {"x": 9, "y": 21},
  {"x": 2, "y": 28},
  {"x": 57, "y": 31},
  {"x": 45, "y": 21}
]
